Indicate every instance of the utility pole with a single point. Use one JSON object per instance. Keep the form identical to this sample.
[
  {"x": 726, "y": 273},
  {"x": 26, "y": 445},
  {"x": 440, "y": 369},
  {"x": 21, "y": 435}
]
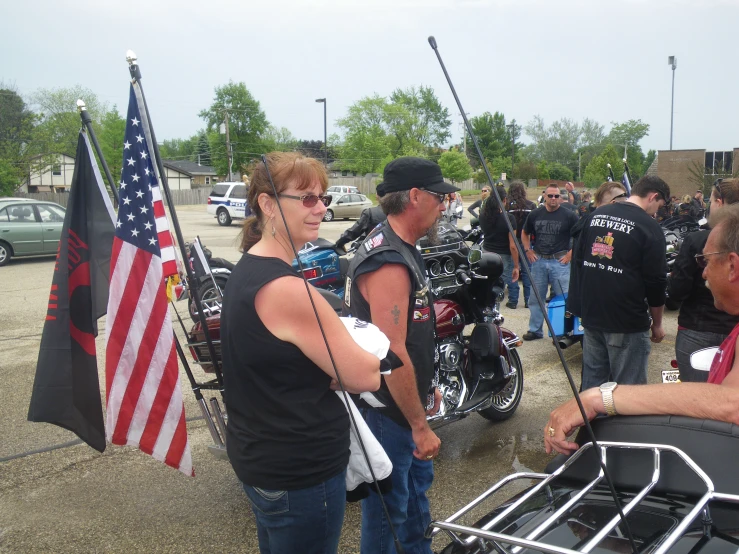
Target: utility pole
[
  {"x": 579, "y": 165},
  {"x": 464, "y": 129},
  {"x": 229, "y": 151},
  {"x": 512, "y": 126}
]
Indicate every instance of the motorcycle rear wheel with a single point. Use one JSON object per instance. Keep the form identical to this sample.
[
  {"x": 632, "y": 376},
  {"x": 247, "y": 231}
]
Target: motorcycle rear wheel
[
  {"x": 208, "y": 296},
  {"x": 507, "y": 400}
]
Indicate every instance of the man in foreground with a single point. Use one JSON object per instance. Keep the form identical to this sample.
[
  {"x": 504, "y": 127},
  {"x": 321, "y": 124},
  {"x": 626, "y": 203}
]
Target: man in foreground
[
  {"x": 718, "y": 399},
  {"x": 622, "y": 249},
  {"x": 386, "y": 285}
]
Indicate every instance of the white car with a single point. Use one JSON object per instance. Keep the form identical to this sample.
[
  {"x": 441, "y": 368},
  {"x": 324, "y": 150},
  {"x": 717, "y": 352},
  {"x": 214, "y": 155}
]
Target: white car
[
  {"x": 346, "y": 206},
  {"x": 227, "y": 201},
  {"x": 337, "y": 190}
]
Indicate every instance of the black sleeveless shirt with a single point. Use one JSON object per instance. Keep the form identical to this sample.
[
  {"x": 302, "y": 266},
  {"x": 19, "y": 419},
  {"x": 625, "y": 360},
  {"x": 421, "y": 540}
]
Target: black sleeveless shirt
[{"x": 286, "y": 429}]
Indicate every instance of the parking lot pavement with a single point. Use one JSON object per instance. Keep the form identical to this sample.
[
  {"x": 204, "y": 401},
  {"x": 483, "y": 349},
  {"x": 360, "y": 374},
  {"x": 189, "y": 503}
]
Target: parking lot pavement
[{"x": 76, "y": 500}]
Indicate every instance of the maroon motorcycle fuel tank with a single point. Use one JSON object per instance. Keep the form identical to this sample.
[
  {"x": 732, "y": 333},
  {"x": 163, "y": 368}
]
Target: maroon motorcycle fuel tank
[{"x": 449, "y": 318}]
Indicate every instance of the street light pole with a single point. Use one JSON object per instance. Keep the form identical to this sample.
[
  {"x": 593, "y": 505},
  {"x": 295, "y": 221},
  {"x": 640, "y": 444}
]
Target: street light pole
[
  {"x": 325, "y": 138},
  {"x": 672, "y": 61}
]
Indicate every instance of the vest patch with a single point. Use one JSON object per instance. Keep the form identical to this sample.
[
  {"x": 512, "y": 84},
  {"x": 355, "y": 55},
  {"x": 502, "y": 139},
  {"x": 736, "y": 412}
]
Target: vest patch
[
  {"x": 374, "y": 242},
  {"x": 348, "y": 292},
  {"x": 421, "y": 314}
]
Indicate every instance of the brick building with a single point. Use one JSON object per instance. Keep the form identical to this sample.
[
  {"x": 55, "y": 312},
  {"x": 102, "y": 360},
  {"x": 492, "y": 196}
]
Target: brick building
[{"x": 680, "y": 168}]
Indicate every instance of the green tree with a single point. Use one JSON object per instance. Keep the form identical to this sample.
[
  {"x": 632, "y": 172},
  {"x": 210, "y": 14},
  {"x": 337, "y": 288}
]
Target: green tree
[
  {"x": 542, "y": 171},
  {"x": 247, "y": 125},
  {"x": 559, "y": 172},
  {"x": 10, "y": 177},
  {"x": 500, "y": 165},
  {"x": 110, "y": 137},
  {"x": 525, "y": 170},
  {"x": 454, "y": 166},
  {"x": 16, "y": 132},
  {"x": 417, "y": 120},
  {"x": 179, "y": 149},
  {"x": 202, "y": 150},
  {"x": 366, "y": 138},
  {"x": 597, "y": 170},
  {"x": 649, "y": 159},
  {"x": 279, "y": 139}
]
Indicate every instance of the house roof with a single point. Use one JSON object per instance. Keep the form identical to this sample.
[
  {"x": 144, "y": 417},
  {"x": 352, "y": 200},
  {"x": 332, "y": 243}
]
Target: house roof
[
  {"x": 652, "y": 169},
  {"x": 189, "y": 168}
]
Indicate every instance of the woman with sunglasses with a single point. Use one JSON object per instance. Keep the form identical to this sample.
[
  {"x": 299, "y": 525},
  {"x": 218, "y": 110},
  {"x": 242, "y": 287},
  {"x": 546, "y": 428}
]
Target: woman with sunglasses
[
  {"x": 700, "y": 323},
  {"x": 288, "y": 431}
]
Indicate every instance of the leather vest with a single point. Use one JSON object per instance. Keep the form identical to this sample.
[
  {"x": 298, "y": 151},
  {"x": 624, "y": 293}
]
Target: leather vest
[{"x": 420, "y": 317}]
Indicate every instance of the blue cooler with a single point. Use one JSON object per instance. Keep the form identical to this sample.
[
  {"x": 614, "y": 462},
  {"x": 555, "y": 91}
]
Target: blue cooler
[{"x": 556, "y": 312}]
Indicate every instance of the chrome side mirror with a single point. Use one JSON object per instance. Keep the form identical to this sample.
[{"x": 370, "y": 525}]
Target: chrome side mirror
[{"x": 702, "y": 359}]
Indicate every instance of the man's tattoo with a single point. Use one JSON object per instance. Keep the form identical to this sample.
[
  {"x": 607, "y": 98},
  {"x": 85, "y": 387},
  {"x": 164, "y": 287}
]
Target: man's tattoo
[{"x": 396, "y": 314}]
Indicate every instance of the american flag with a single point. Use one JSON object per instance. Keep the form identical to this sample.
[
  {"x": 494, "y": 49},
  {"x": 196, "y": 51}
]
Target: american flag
[{"x": 144, "y": 401}]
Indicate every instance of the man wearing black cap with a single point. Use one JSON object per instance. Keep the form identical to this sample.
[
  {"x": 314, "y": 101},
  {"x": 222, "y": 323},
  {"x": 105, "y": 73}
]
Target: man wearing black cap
[{"x": 386, "y": 284}]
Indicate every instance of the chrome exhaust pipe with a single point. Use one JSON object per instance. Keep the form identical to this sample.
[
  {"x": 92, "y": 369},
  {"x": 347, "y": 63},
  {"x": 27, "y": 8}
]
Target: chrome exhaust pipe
[
  {"x": 217, "y": 440},
  {"x": 218, "y": 415}
]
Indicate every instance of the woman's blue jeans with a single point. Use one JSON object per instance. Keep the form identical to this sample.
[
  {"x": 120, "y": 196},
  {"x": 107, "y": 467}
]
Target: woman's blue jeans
[
  {"x": 687, "y": 342},
  {"x": 305, "y": 520}
]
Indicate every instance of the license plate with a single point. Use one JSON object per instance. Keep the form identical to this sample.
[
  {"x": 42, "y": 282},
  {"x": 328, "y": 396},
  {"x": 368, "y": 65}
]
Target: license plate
[{"x": 671, "y": 376}]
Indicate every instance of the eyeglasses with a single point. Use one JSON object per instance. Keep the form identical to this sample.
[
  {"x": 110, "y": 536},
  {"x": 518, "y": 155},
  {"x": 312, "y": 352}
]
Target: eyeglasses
[
  {"x": 310, "y": 200},
  {"x": 552, "y": 195},
  {"x": 439, "y": 196},
  {"x": 486, "y": 191},
  {"x": 700, "y": 259},
  {"x": 717, "y": 188},
  {"x": 662, "y": 196}
]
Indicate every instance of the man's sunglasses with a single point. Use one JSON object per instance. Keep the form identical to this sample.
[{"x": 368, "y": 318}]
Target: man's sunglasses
[
  {"x": 310, "y": 200},
  {"x": 701, "y": 261},
  {"x": 439, "y": 196},
  {"x": 622, "y": 195},
  {"x": 552, "y": 195}
]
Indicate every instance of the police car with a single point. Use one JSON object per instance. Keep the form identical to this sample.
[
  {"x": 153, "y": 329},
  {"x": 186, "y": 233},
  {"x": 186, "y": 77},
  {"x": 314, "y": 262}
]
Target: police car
[{"x": 227, "y": 201}]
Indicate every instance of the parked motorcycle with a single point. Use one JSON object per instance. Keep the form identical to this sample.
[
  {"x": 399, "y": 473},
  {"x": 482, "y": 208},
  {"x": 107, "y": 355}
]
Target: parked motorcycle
[{"x": 211, "y": 284}]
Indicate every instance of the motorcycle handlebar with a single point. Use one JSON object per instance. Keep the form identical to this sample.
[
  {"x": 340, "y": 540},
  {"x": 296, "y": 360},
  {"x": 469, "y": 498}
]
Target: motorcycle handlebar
[{"x": 462, "y": 276}]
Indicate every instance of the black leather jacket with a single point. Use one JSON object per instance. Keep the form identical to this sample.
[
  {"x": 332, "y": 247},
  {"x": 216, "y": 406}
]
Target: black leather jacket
[
  {"x": 368, "y": 220},
  {"x": 686, "y": 285}
]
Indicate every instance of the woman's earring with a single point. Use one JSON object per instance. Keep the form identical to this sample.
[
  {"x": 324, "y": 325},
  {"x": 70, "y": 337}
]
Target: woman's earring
[{"x": 273, "y": 227}]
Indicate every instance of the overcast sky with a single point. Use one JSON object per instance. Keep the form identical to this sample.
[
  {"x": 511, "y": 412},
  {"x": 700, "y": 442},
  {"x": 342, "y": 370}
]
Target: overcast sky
[{"x": 606, "y": 60}]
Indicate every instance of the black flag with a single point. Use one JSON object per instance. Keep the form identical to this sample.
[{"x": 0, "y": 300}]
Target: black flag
[{"x": 66, "y": 391}]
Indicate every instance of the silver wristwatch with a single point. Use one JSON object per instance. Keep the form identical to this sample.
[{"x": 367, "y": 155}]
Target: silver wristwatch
[{"x": 606, "y": 391}]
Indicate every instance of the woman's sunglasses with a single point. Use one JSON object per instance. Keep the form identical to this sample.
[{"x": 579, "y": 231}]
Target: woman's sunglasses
[
  {"x": 701, "y": 261},
  {"x": 717, "y": 188},
  {"x": 310, "y": 200}
]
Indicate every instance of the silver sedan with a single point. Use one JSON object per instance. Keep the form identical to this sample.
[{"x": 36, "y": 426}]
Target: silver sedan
[{"x": 345, "y": 206}]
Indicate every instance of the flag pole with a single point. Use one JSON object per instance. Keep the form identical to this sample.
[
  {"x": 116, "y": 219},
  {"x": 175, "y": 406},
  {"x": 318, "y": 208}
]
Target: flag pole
[
  {"x": 610, "y": 173},
  {"x": 87, "y": 122},
  {"x": 628, "y": 172},
  {"x": 135, "y": 72}
]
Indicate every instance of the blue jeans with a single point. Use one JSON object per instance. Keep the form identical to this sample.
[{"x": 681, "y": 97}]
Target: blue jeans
[
  {"x": 687, "y": 342},
  {"x": 544, "y": 273},
  {"x": 304, "y": 520},
  {"x": 407, "y": 502},
  {"x": 508, "y": 273},
  {"x": 619, "y": 357},
  {"x": 513, "y": 288}
]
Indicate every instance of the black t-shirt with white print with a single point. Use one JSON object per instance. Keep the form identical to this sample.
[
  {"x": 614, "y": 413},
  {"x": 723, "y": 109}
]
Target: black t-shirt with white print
[
  {"x": 624, "y": 270},
  {"x": 551, "y": 229}
]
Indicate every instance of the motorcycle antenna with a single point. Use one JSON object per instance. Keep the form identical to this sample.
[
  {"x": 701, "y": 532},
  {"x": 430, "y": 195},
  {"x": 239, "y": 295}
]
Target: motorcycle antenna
[
  {"x": 396, "y": 540},
  {"x": 539, "y": 300}
]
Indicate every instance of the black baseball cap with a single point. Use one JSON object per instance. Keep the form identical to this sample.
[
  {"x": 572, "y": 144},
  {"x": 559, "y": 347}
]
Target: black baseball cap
[{"x": 409, "y": 172}]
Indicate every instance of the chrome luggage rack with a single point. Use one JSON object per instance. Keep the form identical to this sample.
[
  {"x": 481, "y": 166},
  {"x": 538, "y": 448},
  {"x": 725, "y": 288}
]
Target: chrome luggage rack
[{"x": 484, "y": 534}]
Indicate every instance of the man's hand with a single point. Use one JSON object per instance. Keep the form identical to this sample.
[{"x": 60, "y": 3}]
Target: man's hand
[
  {"x": 566, "y": 418},
  {"x": 437, "y": 403},
  {"x": 427, "y": 443},
  {"x": 531, "y": 256},
  {"x": 515, "y": 274},
  {"x": 658, "y": 333},
  {"x": 564, "y": 260}
]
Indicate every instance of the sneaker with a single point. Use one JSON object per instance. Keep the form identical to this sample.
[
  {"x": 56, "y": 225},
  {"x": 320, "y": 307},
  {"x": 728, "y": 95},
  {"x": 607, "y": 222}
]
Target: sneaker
[
  {"x": 528, "y": 335},
  {"x": 511, "y": 305}
]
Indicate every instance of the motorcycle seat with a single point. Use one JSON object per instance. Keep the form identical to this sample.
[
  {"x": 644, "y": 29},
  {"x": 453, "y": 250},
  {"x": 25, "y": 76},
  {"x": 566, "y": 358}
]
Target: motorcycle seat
[
  {"x": 220, "y": 262},
  {"x": 322, "y": 243},
  {"x": 713, "y": 445}
]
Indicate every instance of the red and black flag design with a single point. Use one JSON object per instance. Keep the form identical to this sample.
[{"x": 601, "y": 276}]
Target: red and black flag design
[{"x": 66, "y": 391}]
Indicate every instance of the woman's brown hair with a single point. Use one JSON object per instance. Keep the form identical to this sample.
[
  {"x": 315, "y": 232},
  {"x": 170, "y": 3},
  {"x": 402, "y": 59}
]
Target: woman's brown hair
[{"x": 286, "y": 168}]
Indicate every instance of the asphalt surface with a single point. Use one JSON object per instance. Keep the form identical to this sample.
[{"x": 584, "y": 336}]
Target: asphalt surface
[{"x": 73, "y": 499}]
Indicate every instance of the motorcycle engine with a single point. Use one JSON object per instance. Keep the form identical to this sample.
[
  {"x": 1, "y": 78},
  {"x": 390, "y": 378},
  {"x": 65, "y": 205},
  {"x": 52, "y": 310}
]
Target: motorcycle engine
[{"x": 451, "y": 357}]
